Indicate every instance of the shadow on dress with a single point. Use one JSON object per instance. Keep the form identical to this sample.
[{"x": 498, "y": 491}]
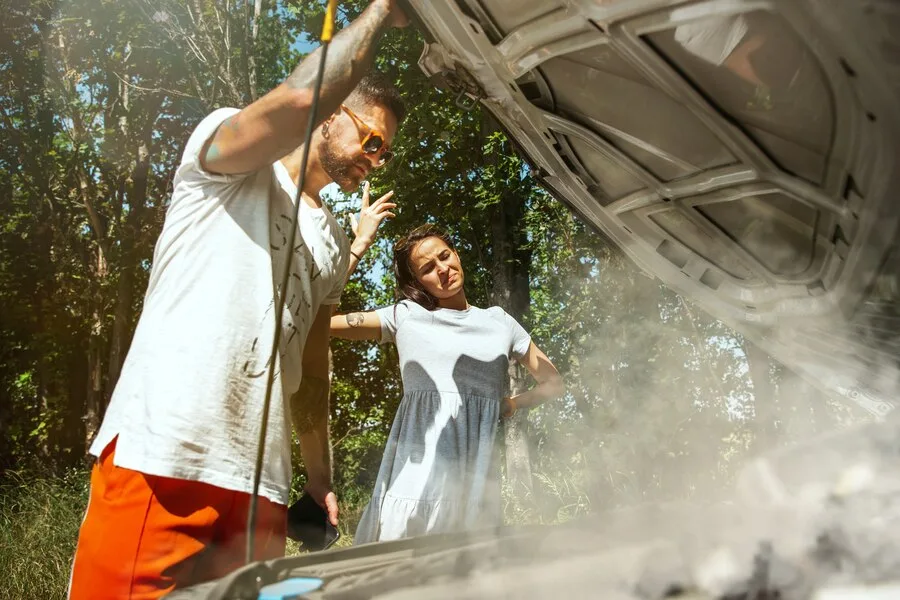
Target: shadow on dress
[{"x": 472, "y": 484}]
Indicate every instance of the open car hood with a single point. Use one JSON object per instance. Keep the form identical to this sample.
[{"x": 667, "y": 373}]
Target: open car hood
[{"x": 743, "y": 152}]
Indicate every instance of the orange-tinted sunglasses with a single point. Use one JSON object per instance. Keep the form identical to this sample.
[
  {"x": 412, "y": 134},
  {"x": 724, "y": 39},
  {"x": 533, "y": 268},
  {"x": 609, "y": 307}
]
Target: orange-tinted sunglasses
[{"x": 373, "y": 141}]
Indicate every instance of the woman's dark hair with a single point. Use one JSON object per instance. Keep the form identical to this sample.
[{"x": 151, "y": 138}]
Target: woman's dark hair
[{"x": 408, "y": 285}]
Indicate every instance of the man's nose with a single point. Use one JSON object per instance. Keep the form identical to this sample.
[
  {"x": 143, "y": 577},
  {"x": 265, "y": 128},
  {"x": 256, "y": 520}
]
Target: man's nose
[{"x": 372, "y": 159}]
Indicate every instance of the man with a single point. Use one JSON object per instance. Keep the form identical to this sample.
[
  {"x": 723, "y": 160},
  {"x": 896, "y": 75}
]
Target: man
[{"x": 177, "y": 448}]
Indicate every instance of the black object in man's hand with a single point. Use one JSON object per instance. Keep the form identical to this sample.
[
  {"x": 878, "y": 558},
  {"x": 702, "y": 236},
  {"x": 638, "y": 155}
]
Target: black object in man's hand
[{"x": 307, "y": 523}]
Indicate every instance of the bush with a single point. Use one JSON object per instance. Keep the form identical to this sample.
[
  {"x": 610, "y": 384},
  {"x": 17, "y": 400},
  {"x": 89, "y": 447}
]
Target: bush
[{"x": 39, "y": 520}]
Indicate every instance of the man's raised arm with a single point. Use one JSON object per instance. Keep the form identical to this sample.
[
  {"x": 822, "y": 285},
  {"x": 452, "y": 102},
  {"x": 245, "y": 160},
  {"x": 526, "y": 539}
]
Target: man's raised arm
[{"x": 275, "y": 125}]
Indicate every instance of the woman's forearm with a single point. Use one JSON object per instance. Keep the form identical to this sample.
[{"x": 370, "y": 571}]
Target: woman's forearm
[{"x": 549, "y": 389}]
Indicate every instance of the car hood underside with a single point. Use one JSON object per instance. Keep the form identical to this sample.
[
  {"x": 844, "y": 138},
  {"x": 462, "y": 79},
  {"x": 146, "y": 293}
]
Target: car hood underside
[{"x": 744, "y": 153}]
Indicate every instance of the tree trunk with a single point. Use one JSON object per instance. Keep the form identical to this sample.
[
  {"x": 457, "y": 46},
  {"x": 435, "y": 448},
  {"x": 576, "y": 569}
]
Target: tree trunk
[
  {"x": 88, "y": 194},
  {"x": 121, "y": 330},
  {"x": 94, "y": 395},
  {"x": 73, "y": 426},
  {"x": 763, "y": 397},
  {"x": 43, "y": 394},
  {"x": 518, "y": 460},
  {"x": 251, "y": 50},
  {"x": 122, "y": 323},
  {"x": 510, "y": 290}
]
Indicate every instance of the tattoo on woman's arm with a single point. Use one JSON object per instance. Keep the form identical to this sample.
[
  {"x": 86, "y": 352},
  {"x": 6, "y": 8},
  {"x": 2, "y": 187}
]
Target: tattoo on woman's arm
[{"x": 355, "y": 319}]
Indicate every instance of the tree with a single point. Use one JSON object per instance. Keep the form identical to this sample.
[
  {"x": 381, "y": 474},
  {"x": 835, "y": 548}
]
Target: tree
[{"x": 97, "y": 99}]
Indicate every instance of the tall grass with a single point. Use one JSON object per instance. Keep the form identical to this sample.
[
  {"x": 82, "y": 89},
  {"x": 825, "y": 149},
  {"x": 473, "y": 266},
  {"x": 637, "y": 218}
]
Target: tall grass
[
  {"x": 39, "y": 520},
  {"x": 553, "y": 498}
]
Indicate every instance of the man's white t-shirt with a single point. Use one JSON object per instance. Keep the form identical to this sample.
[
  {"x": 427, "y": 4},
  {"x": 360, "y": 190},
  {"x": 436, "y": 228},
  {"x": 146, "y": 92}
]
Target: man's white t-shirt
[{"x": 189, "y": 401}]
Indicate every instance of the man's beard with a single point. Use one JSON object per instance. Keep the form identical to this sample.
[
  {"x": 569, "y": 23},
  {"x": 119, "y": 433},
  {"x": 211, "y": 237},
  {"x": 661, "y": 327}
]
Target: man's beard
[{"x": 339, "y": 168}]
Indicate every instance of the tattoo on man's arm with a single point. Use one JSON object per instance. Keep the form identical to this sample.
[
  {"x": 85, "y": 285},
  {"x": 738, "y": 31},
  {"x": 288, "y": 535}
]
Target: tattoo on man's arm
[
  {"x": 230, "y": 125},
  {"x": 309, "y": 406},
  {"x": 355, "y": 319},
  {"x": 212, "y": 153},
  {"x": 351, "y": 53}
]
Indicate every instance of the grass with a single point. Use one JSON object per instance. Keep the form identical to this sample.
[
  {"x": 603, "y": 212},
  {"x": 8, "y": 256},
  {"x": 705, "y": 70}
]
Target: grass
[
  {"x": 39, "y": 521},
  {"x": 551, "y": 500}
]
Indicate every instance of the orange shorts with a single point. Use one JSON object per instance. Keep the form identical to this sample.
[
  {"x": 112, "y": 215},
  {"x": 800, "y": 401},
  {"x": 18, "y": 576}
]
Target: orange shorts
[{"x": 144, "y": 535}]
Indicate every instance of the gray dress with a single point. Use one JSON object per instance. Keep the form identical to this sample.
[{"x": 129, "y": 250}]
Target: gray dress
[{"x": 440, "y": 471}]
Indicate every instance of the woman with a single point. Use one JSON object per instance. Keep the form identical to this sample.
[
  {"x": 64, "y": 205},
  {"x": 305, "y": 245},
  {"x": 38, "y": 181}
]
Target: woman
[{"x": 440, "y": 471}]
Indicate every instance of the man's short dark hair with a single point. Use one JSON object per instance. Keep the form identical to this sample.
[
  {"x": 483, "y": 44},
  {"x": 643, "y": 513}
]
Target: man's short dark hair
[{"x": 376, "y": 88}]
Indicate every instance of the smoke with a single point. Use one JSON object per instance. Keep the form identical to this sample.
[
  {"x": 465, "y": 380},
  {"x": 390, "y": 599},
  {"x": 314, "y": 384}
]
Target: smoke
[
  {"x": 709, "y": 473},
  {"x": 662, "y": 403},
  {"x": 817, "y": 518}
]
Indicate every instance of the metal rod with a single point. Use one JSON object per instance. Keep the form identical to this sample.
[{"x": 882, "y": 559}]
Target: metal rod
[{"x": 327, "y": 31}]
